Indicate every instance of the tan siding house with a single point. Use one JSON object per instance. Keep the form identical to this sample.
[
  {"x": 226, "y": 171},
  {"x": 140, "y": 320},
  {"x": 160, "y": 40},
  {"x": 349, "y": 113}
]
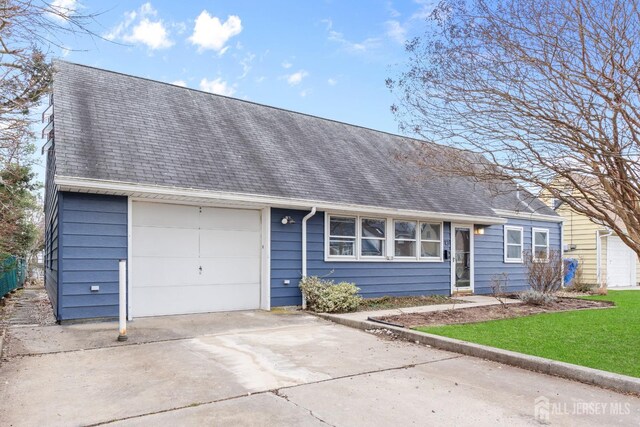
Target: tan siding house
[{"x": 590, "y": 242}]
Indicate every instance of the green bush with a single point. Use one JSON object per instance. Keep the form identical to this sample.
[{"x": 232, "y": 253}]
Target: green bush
[{"x": 324, "y": 296}]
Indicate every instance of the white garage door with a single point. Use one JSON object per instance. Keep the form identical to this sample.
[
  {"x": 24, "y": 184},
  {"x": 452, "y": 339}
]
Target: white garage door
[
  {"x": 189, "y": 259},
  {"x": 621, "y": 263}
]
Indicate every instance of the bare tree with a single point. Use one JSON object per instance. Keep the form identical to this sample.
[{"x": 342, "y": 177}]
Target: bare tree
[
  {"x": 28, "y": 29},
  {"x": 541, "y": 93}
]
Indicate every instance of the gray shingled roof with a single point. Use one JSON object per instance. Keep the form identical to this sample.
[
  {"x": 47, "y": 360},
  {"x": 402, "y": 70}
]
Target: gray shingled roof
[{"x": 110, "y": 126}]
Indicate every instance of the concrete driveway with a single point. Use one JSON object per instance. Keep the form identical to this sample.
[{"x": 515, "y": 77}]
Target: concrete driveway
[{"x": 260, "y": 368}]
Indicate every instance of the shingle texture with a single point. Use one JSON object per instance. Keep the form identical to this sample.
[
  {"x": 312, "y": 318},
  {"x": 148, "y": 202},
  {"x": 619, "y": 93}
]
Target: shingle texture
[{"x": 110, "y": 126}]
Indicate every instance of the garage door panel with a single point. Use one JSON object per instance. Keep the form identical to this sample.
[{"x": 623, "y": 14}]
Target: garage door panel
[
  {"x": 165, "y": 215},
  {"x": 164, "y": 271},
  {"x": 229, "y": 219},
  {"x": 196, "y": 299},
  {"x": 171, "y": 243},
  {"x": 230, "y": 270},
  {"x": 229, "y": 244},
  {"x": 165, "y": 242}
]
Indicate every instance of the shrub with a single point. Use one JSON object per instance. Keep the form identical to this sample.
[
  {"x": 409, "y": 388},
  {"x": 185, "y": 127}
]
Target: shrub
[
  {"x": 499, "y": 286},
  {"x": 580, "y": 287},
  {"x": 324, "y": 296},
  {"x": 533, "y": 297},
  {"x": 599, "y": 290},
  {"x": 545, "y": 276}
]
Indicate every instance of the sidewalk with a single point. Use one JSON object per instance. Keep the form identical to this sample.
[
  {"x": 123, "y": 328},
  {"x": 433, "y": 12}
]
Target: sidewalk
[{"x": 470, "y": 301}]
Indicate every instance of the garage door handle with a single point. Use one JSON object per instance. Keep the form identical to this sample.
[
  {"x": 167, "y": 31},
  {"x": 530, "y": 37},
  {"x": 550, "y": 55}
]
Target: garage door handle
[{"x": 200, "y": 268}]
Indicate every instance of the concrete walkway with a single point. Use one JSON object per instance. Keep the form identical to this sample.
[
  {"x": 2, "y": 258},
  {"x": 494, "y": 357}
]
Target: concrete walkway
[{"x": 470, "y": 301}]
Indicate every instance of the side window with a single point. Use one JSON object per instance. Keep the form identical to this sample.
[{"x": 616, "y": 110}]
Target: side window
[
  {"x": 513, "y": 243},
  {"x": 540, "y": 243}
]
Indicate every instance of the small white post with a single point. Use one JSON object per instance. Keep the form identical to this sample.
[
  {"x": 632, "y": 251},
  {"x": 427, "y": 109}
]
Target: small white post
[{"x": 122, "y": 326}]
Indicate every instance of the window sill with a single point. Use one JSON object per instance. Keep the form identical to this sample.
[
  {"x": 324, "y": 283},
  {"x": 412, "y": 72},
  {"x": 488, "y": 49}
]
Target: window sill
[
  {"x": 394, "y": 260},
  {"x": 514, "y": 261}
]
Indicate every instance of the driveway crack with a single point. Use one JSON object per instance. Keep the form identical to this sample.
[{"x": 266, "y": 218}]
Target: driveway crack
[
  {"x": 277, "y": 392},
  {"x": 281, "y": 395}
]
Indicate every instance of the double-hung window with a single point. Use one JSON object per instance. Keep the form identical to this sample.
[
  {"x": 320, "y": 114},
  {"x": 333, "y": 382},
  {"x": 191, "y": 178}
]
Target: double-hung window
[
  {"x": 373, "y": 237},
  {"x": 430, "y": 240},
  {"x": 540, "y": 243},
  {"x": 342, "y": 236},
  {"x": 513, "y": 244},
  {"x": 405, "y": 239}
]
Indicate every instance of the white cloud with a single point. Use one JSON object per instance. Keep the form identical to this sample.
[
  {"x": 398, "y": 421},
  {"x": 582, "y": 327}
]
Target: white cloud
[
  {"x": 332, "y": 82},
  {"x": 246, "y": 64},
  {"x": 63, "y": 8},
  {"x": 392, "y": 10},
  {"x": 286, "y": 65},
  {"x": 296, "y": 78},
  {"x": 217, "y": 86},
  {"x": 424, "y": 10},
  {"x": 179, "y": 83},
  {"x": 396, "y": 31},
  {"x": 260, "y": 79},
  {"x": 354, "y": 47},
  {"x": 142, "y": 27},
  {"x": 152, "y": 34},
  {"x": 305, "y": 92},
  {"x": 209, "y": 33}
]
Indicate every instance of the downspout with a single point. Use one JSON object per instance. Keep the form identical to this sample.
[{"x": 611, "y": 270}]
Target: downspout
[
  {"x": 304, "y": 249},
  {"x": 599, "y": 255}
]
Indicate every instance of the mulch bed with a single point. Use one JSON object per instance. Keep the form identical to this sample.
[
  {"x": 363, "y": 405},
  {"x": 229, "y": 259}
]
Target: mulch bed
[{"x": 489, "y": 312}]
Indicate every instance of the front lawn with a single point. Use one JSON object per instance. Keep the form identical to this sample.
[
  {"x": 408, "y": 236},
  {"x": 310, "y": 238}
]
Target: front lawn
[{"x": 607, "y": 339}]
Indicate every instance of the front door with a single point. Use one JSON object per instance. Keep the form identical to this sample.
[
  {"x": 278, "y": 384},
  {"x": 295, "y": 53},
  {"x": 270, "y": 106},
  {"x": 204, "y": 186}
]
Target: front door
[{"x": 462, "y": 258}]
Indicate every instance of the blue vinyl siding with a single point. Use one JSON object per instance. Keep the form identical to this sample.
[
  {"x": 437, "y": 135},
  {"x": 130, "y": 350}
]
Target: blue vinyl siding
[
  {"x": 388, "y": 278},
  {"x": 489, "y": 253},
  {"x": 93, "y": 239},
  {"x": 51, "y": 203},
  {"x": 373, "y": 278}
]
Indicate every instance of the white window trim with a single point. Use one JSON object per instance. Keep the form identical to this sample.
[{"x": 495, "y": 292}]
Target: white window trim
[
  {"x": 533, "y": 244},
  {"x": 328, "y": 236},
  {"x": 513, "y": 260},
  {"x": 389, "y": 237}
]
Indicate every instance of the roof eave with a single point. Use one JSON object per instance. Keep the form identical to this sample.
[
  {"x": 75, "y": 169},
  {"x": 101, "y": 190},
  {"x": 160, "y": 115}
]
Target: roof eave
[
  {"x": 528, "y": 215},
  {"x": 130, "y": 189}
]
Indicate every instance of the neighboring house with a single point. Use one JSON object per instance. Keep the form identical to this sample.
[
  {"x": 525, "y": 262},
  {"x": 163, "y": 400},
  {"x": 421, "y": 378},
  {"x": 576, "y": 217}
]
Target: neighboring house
[
  {"x": 207, "y": 197},
  {"x": 603, "y": 257}
]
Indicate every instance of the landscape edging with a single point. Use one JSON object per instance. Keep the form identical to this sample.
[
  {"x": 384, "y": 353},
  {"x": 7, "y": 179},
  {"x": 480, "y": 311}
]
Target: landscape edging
[{"x": 597, "y": 377}]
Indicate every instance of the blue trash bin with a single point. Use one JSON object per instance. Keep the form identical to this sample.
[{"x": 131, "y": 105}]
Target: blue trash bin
[{"x": 570, "y": 269}]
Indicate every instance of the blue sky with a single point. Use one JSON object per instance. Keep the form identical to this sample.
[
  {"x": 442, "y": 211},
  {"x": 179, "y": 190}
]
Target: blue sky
[{"x": 326, "y": 57}]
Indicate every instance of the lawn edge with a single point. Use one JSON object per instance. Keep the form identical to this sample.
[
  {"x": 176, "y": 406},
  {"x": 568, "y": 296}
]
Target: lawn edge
[{"x": 609, "y": 380}]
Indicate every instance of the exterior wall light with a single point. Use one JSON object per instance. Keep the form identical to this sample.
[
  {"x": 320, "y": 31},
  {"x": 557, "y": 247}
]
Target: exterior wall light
[
  {"x": 479, "y": 230},
  {"x": 287, "y": 220}
]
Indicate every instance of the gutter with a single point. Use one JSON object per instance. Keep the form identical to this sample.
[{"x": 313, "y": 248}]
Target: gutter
[
  {"x": 121, "y": 188},
  {"x": 304, "y": 250}
]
